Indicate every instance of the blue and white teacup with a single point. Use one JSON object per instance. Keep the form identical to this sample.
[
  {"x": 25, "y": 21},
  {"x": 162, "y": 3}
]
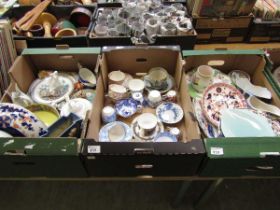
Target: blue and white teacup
[{"x": 108, "y": 114}]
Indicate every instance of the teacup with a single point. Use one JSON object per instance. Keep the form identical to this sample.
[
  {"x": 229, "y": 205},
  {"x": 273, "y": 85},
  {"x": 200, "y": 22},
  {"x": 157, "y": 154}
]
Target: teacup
[
  {"x": 66, "y": 32},
  {"x": 157, "y": 78},
  {"x": 116, "y": 133},
  {"x": 61, "y": 24},
  {"x": 136, "y": 85},
  {"x": 108, "y": 114},
  {"x": 117, "y": 92},
  {"x": 154, "y": 98},
  {"x": 147, "y": 124},
  {"x": 171, "y": 96},
  {"x": 202, "y": 78},
  {"x": 37, "y": 30},
  {"x": 116, "y": 77}
]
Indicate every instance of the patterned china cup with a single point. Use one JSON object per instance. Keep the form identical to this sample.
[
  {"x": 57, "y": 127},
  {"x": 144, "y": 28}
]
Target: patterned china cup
[
  {"x": 108, "y": 114},
  {"x": 157, "y": 78},
  {"x": 147, "y": 124},
  {"x": 202, "y": 78}
]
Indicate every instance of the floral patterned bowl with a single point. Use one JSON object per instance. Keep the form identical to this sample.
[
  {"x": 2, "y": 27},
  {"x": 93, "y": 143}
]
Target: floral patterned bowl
[{"x": 18, "y": 121}]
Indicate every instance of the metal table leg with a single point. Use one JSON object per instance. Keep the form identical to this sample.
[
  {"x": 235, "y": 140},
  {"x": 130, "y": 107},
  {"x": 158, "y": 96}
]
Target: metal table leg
[
  {"x": 207, "y": 193},
  {"x": 181, "y": 193}
]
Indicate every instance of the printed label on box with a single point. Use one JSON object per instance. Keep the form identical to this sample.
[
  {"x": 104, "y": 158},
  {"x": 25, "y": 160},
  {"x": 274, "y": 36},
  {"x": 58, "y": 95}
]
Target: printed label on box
[
  {"x": 94, "y": 149},
  {"x": 217, "y": 151}
]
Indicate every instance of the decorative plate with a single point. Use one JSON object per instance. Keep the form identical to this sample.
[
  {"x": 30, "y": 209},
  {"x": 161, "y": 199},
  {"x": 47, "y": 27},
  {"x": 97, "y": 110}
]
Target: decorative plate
[
  {"x": 165, "y": 137},
  {"x": 170, "y": 85},
  {"x": 169, "y": 113},
  {"x": 126, "y": 107},
  {"x": 88, "y": 94},
  {"x": 136, "y": 131},
  {"x": 18, "y": 121},
  {"x": 43, "y": 93},
  {"x": 244, "y": 123},
  {"x": 221, "y": 96},
  {"x": 208, "y": 129},
  {"x": 104, "y": 132}
]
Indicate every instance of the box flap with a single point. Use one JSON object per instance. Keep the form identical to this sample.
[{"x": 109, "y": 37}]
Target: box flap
[
  {"x": 54, "y": 51},
  {"x": 187, "y": 53},
  {"x": 251, "y": 147},
  {"x": 39, "y": 146}
]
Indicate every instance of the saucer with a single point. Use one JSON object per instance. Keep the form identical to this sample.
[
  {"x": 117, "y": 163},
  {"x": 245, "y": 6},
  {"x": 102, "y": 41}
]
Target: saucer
[
  {"x": 170, "y": 85},
  {"x": 136, "y": 131},
  {"x": 165, "y": 137},
  {"x": 40, "y": 93},
  {"x": 126, "y": 107},
  {"x": 221, "y": 96},
  {"x": 104, "y": 132},
  {"x": 169, "y": 113},
  {"x": 244, "y": 123}
]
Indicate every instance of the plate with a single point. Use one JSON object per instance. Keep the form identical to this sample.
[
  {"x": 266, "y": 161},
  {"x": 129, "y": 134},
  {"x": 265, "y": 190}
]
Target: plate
[
  {"x": 40, "y": 93},
  {"x": 88, "y": 94},
  {"x": 136, "y": 131},
  {"x": 4, "y": 134},
  {"x": 18, "y": 121},
  {"x": 208, "y": 129},
  {"x": 170, "y": 85},
  {"x": 165, "y": 137},
  {"x": 220, "y": 96},
  {"x": 244, "y": 123},
  {"x": 104, "y": 132},
  {"x": 169, "y": 113},
  {"x": 126, "y": 107}
]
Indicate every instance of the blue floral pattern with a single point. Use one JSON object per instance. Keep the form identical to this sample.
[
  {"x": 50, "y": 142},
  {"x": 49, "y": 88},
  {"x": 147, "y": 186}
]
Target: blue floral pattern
[
  {"x": 126, "y": 107},
  {"x": 169, "y": 113}
]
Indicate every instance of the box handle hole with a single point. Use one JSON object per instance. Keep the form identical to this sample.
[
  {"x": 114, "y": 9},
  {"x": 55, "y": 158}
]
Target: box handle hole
[
  {"x": 260, "y": 168},
  {"x": 19, "y": 152},
  {"x": 141, "y": 59},
  {"x": 216, "y": 63}
]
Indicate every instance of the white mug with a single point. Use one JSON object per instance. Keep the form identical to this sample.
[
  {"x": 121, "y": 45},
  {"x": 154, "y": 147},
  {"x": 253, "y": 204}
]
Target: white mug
[
  {"x": 154, "y": 98},
  {"x": 202, "y": 78}
]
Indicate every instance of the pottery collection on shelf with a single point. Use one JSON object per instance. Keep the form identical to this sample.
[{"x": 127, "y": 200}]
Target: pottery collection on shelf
[
  {"x": 141, "y": 108},
  {"x": 142, "y": 21},
  {"x": 54, "y": 106},
  {"x": 230, "y": 105}
]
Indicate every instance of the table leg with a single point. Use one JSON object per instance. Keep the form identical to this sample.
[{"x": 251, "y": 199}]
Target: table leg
[
  {"x": 181, "y": 193},
  {"x": 207, "y": 193}
]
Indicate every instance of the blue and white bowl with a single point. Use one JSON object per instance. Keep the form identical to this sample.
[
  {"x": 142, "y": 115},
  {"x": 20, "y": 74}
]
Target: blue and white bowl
[
  {"x": 165, "y": 137},
  {"x": 169, "y": 113},
  {"x": 18, "y": 121},
  {"x": 126, "y": 107}
]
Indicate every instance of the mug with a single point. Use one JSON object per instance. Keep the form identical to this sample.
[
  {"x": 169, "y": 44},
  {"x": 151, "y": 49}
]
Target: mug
[
  {"x": 147, "y": 124},
  {"x": 108, "y": 114},
  {"x": 154, "y": 98},
  {"x": 202, "y": 78},
  {"x": 136, "y": 85}
]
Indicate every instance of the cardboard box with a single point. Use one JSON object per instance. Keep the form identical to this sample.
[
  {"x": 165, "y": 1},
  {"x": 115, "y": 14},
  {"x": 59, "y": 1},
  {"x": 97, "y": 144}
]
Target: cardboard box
[
  {"x": 43, "y": 157},
  {"x": 44, "y": 42},
  {"x": 235, "y": 157},
  {"x": 264, "y": 31},
  {"x": 222, "y": 30},
  {"x": 143, "y": 158},
  {"x": 272, "y": 62},
  {"x": 186, "y": 42}
]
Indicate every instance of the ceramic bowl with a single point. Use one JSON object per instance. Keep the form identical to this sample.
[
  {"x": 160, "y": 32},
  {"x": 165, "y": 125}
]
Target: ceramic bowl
[
  {"x": 47, "y": 114},
  {"x": 115, "y": 131},
  {"x": 37, "y": 30},
  {"x": 87, "y": 77},
  {"x": 136, "y": 85},
  {"x": 81, "y": 17},
  {"x": 66, "y": 32},
  {"x": 169, "y": 113},
  {"x": 116, "y": 77},
  {"x": 126, "y": 107},
  {"x": 165, "y": 137},
  {"x": 18, "y": 121},
  {"x": 62, "y": 24}
]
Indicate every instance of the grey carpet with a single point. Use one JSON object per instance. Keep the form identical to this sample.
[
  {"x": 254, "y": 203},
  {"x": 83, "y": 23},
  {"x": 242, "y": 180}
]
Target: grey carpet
[{"x": 45, "y": 195}]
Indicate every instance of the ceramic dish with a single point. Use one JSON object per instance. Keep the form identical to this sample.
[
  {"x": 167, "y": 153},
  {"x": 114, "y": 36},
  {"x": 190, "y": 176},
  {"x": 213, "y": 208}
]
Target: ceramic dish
[
  {"x": 126, "y": 107},
  {"x": 78, "y": 106},
  {"x": 244, "y": 123},
  {"x": 4, "y": 134},
  {"x": 18, "y": 121},
  {"x": 169, "y": 113},
  {"x": 208, "y": 129},
  {"x": 88, "y": 94},
  {"x": 46, "y": 93},
  {"x": 165, "y": 137},
  {"x": 221, "y": 96},
  {"x": 257, "y": 104},
  {"x": 137, "y": 132},
  {"x": 104, "y": 132},
  {"x": 236, "y": 74},
  {"x": 170, "y": 85}
]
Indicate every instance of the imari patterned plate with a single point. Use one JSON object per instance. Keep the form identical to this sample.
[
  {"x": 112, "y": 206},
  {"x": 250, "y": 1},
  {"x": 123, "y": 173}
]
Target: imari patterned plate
[{"x": 221, "y": 96}]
